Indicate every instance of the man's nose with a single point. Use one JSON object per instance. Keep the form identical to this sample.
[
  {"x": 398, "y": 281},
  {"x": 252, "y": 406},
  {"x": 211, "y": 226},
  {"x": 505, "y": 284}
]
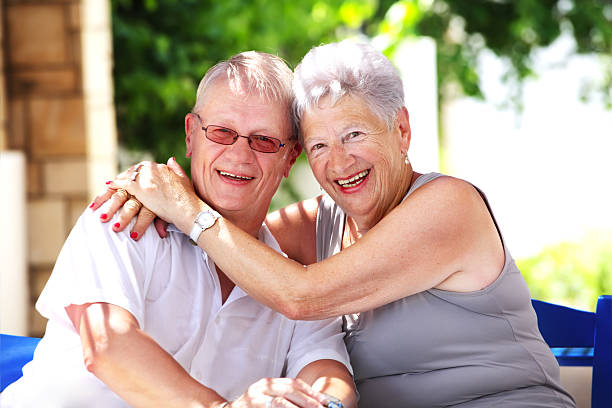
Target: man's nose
[{"x": 241, "y": 147}]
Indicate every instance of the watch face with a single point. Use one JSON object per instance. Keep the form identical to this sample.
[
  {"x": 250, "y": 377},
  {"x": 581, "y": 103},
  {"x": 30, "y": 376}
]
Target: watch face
[{"x": 206, "y": 219}]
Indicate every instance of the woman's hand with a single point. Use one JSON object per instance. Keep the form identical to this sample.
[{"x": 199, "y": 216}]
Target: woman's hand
[
  {"x": 164, "y": 189},
  {"x": 119, "y": 198},
  {"x": 280, "y": 393}
]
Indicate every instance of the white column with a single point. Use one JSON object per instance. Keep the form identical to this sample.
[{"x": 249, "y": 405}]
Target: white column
[
  {"x": 14, "y": 303},
  {"x": 416, "y": 61},
  {"x": 100, "y": 126}
]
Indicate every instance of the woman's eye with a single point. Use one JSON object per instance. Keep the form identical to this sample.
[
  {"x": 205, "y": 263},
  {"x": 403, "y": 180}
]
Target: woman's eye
[
  {"x": 316, "y": 147},
  {"x": 353, "y": 135}
]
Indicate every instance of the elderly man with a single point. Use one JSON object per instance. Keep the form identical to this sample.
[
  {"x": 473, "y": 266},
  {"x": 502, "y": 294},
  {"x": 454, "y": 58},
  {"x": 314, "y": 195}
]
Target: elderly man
[{"x": 153, "y": 321}]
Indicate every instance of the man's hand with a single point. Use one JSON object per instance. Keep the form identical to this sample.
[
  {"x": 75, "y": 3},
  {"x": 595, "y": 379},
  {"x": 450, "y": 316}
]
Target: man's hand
[
  {"x": 131, "y": 363},
  {"x": 331, "y": 377},
  {"x": 280, "y": 393}
]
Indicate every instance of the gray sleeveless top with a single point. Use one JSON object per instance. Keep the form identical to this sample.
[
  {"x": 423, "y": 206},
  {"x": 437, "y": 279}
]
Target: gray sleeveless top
[{"x": 438, "y": 348}]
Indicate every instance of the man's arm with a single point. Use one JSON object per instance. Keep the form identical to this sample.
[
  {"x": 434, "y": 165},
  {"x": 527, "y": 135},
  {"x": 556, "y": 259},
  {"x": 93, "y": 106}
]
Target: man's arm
[
  {"x": 332, "y": 378},
  {"x": 137, "y": 369},
  {"x": 131, "y": 363}
]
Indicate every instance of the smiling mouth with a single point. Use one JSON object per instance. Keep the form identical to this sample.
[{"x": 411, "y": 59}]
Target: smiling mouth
[
  {"x": 234, "y": 176},
  {"x": 355, "y": 180}
]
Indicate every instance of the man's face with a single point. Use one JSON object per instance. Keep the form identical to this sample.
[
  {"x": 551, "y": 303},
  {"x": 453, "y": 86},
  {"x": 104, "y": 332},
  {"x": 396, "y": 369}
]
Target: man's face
[{"x": 234, "y": 178}]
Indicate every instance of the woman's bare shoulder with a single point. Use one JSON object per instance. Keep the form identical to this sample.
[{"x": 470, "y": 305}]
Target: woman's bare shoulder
[
  {"x": 294, "y": 227},
  {"x": 456, "y": 211},
  {"x": 452, "y": 190}
]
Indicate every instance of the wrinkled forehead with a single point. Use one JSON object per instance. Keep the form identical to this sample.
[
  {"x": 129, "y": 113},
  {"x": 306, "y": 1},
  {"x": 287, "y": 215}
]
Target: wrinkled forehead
[
  {"x": 245, "y": 110},
  {"x": 338, "y": 115},
  {"x": 248, "y": 82},
  {"x": 231, "y": 86}
]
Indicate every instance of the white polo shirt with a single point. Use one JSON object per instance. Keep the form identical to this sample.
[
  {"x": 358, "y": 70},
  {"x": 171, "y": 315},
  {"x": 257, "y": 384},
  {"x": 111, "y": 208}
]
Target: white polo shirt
[{"x": 172, "y": 289}]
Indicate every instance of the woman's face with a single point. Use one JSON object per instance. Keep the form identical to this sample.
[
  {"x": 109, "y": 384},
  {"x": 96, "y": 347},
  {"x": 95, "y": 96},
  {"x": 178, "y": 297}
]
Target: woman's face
[{"x": 355, "y": 157}]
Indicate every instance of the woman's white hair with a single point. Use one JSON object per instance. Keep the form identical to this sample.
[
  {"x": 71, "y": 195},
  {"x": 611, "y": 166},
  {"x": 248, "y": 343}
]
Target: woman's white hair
[
  {"x": 347, "y": 68},
  {"x": 252, "y": 72}
]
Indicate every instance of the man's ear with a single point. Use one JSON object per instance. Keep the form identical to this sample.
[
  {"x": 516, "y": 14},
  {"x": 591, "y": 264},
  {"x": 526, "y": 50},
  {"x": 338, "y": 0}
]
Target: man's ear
[
  {"x": 293, "y": 155},
  {"x": 403, "y": 121},
  {"x": 190, "y": 127}
]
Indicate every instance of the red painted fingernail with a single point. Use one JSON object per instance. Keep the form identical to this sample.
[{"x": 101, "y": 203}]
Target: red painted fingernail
[
  {"x": 117, "y": 225},
  {"x": 109, "y": 181},
  {"x": 134, "y": 235},
  {"x": 92, "y": 205},
  {"x": 104, "y": 216}
]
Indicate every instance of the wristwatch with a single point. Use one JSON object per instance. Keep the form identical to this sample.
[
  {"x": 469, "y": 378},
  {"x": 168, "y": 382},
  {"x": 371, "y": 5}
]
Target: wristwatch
[{"x": 202, "y": 222}]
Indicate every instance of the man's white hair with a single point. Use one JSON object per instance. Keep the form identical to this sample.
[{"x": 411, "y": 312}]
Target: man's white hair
[
  {"x": 253, "y": 73},
  {"x": 348, "y": 68}
]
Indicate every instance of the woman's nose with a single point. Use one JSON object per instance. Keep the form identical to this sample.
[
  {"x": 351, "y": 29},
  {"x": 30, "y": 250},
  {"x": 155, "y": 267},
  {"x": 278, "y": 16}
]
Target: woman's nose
[{"x": 339, "y": 158}]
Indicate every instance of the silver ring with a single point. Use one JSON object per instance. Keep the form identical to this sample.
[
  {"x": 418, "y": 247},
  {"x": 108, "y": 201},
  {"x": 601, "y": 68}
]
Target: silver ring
[
  {"x": 137, "y": 171},
  {"x": 269, "y": 401}
]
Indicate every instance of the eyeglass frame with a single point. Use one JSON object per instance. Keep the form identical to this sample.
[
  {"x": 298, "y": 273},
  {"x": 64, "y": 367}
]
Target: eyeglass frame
[{"x": 237, "y": 135}]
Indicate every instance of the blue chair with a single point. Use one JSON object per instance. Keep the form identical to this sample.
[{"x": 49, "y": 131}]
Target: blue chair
[
  {"x": 581, "y": 338},
  {"x": 15, "y": 352}
]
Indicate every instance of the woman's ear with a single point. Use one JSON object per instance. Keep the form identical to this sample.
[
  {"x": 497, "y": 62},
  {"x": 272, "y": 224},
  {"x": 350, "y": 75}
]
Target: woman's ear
[
  {"x": 403, "y": 121},
  {"x": 190, "y": 126}
]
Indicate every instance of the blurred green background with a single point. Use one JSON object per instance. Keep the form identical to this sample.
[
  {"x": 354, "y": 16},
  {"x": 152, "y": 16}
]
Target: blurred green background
[{"x": 163, "y": 47}]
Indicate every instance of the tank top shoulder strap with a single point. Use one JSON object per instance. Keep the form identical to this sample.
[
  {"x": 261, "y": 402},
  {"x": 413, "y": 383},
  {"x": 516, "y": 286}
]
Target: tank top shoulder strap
[
  {"x": 426, "y": 178},
  {"x": 330, "y": 224},
  {"x": 422, "y": 180}
]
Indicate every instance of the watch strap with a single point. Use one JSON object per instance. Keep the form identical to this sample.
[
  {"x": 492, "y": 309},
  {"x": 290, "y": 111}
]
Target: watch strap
[{"x": 198, "y": 228}]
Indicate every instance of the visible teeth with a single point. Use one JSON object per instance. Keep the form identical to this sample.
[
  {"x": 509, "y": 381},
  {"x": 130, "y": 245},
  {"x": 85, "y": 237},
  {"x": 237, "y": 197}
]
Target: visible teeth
[
  {"x": 353, "y": 181},
  {"x": 226, "y": 174}
]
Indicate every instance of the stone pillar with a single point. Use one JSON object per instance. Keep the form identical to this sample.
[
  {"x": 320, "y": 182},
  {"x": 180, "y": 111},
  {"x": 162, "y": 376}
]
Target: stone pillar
[
  {"x": 3, "y": 122},
  {"x": 59, "y": 115},
  {"x": 14, "y": 292}
]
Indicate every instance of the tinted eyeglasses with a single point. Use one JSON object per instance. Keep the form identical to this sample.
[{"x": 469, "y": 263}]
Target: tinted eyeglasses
[{"x": 226, "y": 136}]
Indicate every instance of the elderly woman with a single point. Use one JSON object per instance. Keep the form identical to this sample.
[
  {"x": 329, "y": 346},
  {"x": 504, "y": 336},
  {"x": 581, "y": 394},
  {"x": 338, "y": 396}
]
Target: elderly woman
[{"x": 436, "y": 311}]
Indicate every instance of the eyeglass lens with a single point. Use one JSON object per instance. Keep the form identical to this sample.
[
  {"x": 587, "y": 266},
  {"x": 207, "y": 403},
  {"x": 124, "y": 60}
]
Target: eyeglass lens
[{"x": 227, "y": 136}]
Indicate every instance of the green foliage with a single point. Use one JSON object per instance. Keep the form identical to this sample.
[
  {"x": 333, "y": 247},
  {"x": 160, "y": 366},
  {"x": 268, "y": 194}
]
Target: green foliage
[
  {"x": 573, "y": 274},
  {"x": 163, "y": 47},
  {"x": 513, "y": 30}
]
